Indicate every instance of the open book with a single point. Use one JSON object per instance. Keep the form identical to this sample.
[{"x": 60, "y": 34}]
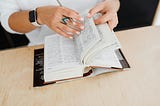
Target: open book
[{"x": 95, "y": 51}]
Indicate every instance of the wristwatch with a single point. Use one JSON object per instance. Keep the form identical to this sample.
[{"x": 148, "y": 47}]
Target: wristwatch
[{"x": 33, "y": 18}]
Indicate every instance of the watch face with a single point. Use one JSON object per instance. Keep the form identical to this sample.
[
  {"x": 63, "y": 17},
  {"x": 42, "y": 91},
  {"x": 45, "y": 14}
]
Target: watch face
[{"x": 32, "y": 16}]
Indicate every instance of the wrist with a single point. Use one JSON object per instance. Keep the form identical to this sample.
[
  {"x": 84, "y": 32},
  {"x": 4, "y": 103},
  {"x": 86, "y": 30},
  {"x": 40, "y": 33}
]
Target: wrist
[
  {"x": 33, "y": 18},
  {"x": 38, "y": 16}
]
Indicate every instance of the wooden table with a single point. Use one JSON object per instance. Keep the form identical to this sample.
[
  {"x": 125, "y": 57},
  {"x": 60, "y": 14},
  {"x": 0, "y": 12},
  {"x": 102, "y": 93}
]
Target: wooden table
[{"x": 138, "y": 87}]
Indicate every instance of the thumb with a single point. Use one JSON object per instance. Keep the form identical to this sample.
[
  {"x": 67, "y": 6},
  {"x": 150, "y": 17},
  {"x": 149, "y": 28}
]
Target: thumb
[{"x": 94, "y": 10}]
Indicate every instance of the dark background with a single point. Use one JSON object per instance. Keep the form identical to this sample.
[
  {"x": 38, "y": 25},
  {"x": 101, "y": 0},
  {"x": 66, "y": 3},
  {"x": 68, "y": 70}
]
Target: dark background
[
  {"x": 136, "y": 13},
  {"x": 132, "y": 14}
]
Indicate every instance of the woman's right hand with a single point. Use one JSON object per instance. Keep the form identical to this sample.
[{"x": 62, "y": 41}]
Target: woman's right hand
[{"x": 52, "y": 17}]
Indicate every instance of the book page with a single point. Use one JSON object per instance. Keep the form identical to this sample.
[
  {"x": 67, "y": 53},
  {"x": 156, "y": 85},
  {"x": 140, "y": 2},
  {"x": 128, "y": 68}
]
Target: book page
[
  {"x": 59, "y": 52},
  {"x": 98, "y": 71},
  {"x": 108, "y": 36},
  {"x": 104, "y": 52},
  {"x": 107, "y": 40},
  {"x": 104, "y": 58},
  {"x": 88, "y": 38}
]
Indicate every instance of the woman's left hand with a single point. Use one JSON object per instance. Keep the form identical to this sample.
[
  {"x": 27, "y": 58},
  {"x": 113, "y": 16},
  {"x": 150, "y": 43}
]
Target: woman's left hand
[{"x": 108, "y": 9}]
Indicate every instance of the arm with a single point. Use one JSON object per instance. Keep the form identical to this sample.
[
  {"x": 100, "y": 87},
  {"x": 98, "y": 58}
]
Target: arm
[
  {"x": 19, "y": 22},
  {"x": 46, "y": 15},
  {"x": 15, "y": 20},
  {"x": 109, "y": 9}
]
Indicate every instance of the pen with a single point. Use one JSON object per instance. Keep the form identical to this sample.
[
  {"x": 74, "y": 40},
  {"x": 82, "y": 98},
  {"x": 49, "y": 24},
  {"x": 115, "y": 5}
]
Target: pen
[{"x": 59, "y": 3}]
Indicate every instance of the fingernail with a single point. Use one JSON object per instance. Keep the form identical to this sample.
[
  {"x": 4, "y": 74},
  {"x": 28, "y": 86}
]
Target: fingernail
[
  {"x": 71, "y": 37},
  {"x": 78, "y": 33},
  {"x": 82, "y": 19},
  {"x": 74, "y": 20},
  {"x": 82, "y": 27},
  {"x": 74, "y": 23},
  {"x": 88, "y": 15}
]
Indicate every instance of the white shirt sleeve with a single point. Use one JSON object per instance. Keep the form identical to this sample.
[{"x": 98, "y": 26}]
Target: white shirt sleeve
[{"x": 8, "y": 7}]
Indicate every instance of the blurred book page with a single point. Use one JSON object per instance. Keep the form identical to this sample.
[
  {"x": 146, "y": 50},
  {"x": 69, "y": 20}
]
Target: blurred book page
[
  {"x": 59, "y": 52},
  {"x": 105, "y": 58},
  {"x": 108, "y": 36},
  {"x": 88, "y": 38}
]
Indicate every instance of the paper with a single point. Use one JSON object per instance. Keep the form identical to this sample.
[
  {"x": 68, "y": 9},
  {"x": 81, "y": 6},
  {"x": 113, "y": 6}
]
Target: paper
[
  {"x": 104, "y": 58},
  {"x": 108, "y": 36},
  {"x": 88, "y": 38},
  {"x": 59, "y": 52}
]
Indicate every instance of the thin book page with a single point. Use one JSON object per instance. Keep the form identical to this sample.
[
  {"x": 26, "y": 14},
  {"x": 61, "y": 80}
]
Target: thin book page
[
  {"x": 59, "y": 52},
  {"x": 64, "y": 74},
  {"x": 108, "y": 36},
  {"x": 88, "y": 38},
  {"x": 107, "y": 39},
  {"x": 105, "y": 58},
  {"x": 61, "y": 60}
]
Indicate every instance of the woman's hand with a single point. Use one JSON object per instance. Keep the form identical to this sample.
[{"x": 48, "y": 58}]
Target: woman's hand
[
  {"x": 52, "y": 17},
  {"x": 108, "y": 9}
]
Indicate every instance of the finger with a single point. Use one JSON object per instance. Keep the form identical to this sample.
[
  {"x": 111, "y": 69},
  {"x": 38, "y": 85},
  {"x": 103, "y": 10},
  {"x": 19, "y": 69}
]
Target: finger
[
  {"x": 103, "y": 19},
  {"x": 59, "y": 31},
  {"x": 113, "y": 23},
  {"x": 75, "y": 25},
  {"x": 68, "y": 30},
  {"x": 94, "y": 10},
  {"x": 72, "y": 14}
]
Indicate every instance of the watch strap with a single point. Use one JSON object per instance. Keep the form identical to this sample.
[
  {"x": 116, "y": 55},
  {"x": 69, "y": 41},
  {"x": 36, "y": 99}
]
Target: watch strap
[{"x": 33, "y": 18}]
